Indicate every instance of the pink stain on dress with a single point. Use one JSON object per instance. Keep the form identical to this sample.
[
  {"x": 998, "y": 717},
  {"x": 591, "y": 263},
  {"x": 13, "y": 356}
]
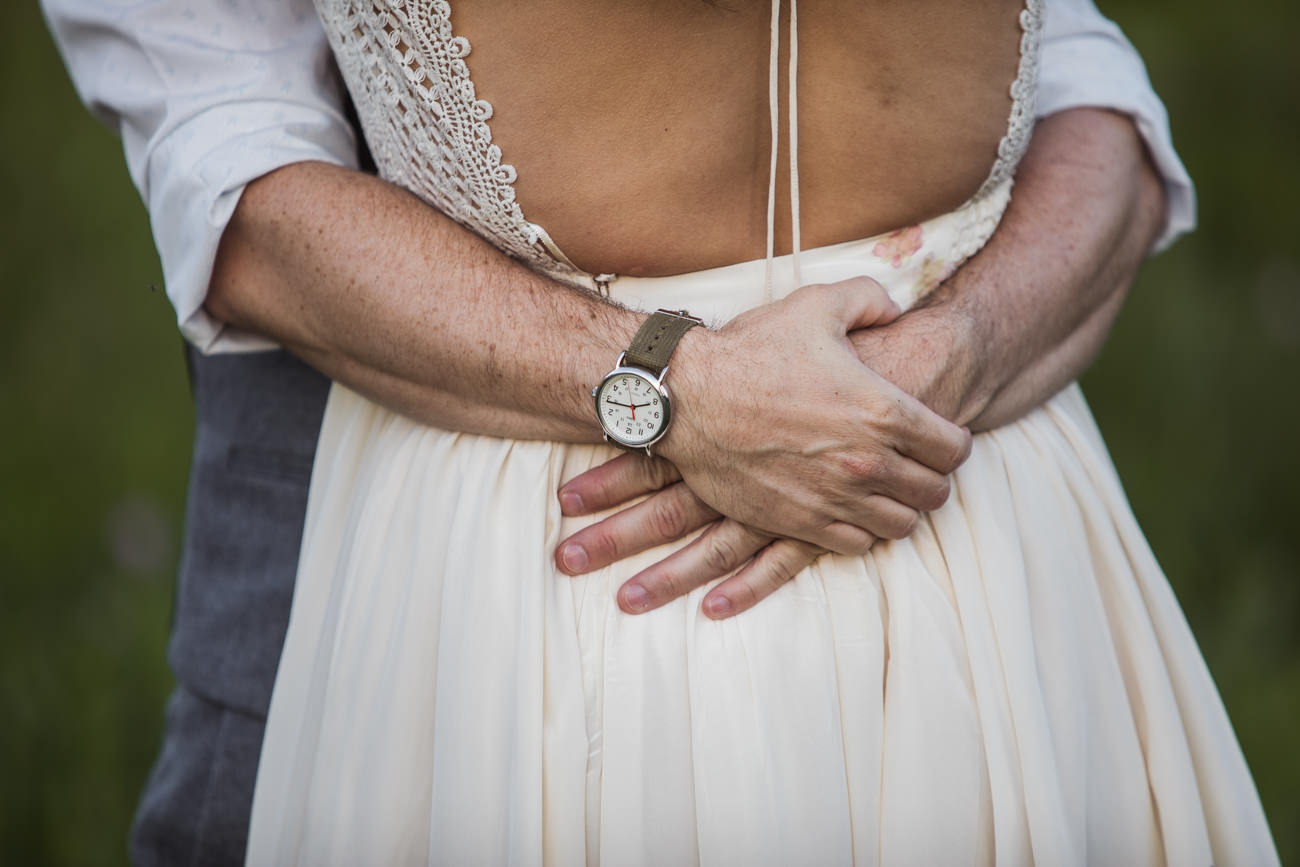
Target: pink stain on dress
[{"x": 899, "y": 245}]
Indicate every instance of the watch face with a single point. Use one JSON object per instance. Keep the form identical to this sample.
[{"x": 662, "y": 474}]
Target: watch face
[{"x": 631, "y": 408}]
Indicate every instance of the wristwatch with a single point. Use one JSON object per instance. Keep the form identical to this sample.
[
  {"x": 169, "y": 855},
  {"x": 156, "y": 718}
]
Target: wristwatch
[{"x": 631, "y": 401}]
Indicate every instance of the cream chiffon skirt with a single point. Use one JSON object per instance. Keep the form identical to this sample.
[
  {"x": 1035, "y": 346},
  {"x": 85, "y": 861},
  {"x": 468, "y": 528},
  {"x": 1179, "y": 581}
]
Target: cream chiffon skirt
[{"x": 1012, "y": 684}]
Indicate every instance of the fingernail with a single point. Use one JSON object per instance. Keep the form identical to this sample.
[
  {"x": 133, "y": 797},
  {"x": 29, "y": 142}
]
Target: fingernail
[
  {"x": 574, "y": 557},
  {"x": 636, "y": 597},
  {"x": 571, "y": 503},
  {"x": 717, "y": 606}
]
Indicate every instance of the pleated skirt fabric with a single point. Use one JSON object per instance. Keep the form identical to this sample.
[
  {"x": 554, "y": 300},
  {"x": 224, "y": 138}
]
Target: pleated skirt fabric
[{"x": 1012, "y": 684}]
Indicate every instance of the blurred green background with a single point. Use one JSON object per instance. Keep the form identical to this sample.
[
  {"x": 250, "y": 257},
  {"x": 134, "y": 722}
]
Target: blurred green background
[{"x": 1196, "y": 394}]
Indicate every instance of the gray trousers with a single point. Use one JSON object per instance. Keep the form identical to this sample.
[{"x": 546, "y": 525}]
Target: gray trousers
[{"x": 257, "y": 420}]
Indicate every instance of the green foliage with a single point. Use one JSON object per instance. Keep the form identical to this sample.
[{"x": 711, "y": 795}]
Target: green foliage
[
  {"x": 96, "y": 436},
  {"x": 1195, "y": 393}
]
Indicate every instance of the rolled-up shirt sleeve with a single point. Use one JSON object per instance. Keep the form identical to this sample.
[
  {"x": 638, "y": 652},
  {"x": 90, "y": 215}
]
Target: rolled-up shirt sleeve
[
  {"x": 1087, "y": 61},
  {"x": 207, "y": 96}
]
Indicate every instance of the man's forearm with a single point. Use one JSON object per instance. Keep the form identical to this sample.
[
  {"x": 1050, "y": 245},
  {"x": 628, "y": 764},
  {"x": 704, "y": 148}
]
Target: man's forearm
[
  {"x": 386, "y": 295},
  {"x": 382, "y": 293},
  {"x": 1014, "y": 325},
  {"x": 1028, "y": 314}
]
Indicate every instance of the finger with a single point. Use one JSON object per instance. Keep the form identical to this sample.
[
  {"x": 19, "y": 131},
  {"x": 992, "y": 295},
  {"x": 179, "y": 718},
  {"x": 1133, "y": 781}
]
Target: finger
[
  {"x": 774, "y": 566},
  {"x": 869, "y": 303},
  {"x": 613, "y": 482},
  {"x": 662, "y": 517},
  {"x": 721, "y": 549},
  {"x": 887, "y": 518},
  {"x": 913, "y": 484},
  {"x": 842, "y": 538},
  {"x": 926, "y": 436},
  {"x": 859, "y": 302}
]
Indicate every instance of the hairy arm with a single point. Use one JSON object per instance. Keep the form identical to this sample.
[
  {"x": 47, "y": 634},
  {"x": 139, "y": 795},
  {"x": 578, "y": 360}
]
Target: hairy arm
[
  {"x": 1020, "y": 320},
  {"x": 1029, "y": 313},
  {"x": 388, "y": 296},
  {"x": 382, "y": 293}
]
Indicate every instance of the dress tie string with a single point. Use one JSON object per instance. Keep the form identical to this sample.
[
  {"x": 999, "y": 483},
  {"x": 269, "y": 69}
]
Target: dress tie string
[{"x": 773, "y": 108}]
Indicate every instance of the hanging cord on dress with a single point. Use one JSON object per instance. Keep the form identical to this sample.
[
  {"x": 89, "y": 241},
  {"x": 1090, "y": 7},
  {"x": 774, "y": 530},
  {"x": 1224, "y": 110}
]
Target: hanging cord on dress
[{"x": 773, "y": 109}]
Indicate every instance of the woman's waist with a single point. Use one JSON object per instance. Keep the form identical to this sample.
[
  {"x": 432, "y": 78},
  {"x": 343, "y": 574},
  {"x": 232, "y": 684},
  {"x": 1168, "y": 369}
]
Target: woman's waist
[{"x": 909, "y": 262}]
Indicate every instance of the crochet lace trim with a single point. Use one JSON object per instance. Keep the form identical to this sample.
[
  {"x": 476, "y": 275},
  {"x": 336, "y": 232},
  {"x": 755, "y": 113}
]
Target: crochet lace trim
[
  {"x": 428, "y": 130},
  {"x": 1024, "y": 90}
]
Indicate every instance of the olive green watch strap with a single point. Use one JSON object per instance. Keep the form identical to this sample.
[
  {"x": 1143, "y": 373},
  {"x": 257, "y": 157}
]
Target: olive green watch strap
[{"x": 657, "y": 338}]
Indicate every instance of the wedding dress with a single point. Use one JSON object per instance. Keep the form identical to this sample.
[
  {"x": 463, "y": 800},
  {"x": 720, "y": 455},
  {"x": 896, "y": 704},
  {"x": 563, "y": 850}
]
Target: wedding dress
[{"x": 1014, "y": 683}]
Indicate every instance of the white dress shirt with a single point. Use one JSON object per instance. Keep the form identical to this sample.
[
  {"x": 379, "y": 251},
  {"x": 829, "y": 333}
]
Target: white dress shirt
[{"x": 208, "y": 95}]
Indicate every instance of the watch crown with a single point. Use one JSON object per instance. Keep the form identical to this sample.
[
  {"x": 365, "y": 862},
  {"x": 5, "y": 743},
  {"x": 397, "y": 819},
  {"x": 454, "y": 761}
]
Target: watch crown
[{"x": 594, "y": 389}]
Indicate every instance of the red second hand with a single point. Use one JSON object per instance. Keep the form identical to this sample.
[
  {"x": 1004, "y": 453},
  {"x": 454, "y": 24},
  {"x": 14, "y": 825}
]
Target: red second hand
[{"x": 631, "y": 401}]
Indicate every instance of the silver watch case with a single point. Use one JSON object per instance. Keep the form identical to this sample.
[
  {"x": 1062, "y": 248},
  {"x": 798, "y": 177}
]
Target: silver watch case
[{"x": 657, "y": 382}]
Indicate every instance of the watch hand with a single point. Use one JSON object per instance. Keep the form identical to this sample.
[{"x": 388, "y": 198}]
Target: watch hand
[{"x": 631, "y": 401}]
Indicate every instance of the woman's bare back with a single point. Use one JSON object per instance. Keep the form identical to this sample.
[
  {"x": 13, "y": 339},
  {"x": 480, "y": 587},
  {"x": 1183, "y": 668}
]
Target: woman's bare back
[{"x": 640, "y": 131}]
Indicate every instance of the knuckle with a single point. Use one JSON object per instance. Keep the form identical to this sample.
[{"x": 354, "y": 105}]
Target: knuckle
[
  {"x": 782, "y": 564},
  {"x": 656, "y": 472},
  {"x": 848, "y": 539},
  {"x": 902, "y": 526},
  {"x": 641, "y": 470},
  {"x": 779, "y": 571},
  {"x": 938, "y": 494},
  {"x": 961, "y": 449},
  {"x": 602, "y": 544},
  {"x": 890, "y": 414},
  {"x": 668, "y": 518},
  {"x": 853, "y": 542},
  {"x": 864, "y": 468},
  {"x": 860, "y": 545},
  {"x": 953, "y": 462},
  {"x": 721, "y": 553},
  {"x": 598, "y": 542}
]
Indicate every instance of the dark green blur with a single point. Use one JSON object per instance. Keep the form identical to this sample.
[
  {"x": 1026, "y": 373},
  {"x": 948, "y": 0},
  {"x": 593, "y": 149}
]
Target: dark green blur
[{"x": 1195, "y": 392}]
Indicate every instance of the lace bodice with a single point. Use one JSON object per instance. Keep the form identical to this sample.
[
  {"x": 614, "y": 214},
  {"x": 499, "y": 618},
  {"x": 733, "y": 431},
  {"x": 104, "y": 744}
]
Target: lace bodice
[{"x": 429, "y": 131}]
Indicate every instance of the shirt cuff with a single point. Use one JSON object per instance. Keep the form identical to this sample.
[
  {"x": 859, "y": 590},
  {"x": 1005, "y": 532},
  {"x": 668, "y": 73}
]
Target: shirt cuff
[
  {"x": 194, "y": 186},
  {"x": 1101, "y": 70}
]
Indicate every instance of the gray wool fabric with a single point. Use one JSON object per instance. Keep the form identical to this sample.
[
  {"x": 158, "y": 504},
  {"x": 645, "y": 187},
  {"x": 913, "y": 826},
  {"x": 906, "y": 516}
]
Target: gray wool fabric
[{"x": 258, "y": 417}]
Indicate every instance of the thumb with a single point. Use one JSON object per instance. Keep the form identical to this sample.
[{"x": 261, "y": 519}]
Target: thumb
[{"x": 860, "y": 302}]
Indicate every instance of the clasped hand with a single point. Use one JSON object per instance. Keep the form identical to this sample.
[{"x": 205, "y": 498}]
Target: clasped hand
[{"x": 785, "y": 441}]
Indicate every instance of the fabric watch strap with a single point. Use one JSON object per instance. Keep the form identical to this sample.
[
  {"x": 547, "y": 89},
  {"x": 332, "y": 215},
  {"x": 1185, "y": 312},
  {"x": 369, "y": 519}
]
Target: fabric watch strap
[{"x": 657, "y": 338}]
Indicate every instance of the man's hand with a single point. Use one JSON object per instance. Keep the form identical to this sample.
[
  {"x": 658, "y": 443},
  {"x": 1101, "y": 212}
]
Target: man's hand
[
  {"x": 1027, "y": 315},
  {"x": 784, "y": 429},
  {"x": 1018, "y": 322},
  {"x": 667, "y": 515},
  {"x": 386, "y": 295}
]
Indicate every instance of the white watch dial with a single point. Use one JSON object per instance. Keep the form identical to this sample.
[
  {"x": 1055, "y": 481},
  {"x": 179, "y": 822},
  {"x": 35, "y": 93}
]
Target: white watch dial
[{"x": 631, "y": 409}]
